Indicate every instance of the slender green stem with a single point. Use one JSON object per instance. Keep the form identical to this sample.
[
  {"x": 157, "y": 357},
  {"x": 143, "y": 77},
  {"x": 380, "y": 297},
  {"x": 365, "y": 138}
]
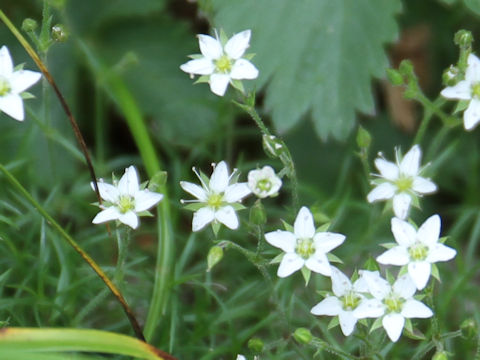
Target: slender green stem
[
  {"x": 323, "y": 345},
  {"x": 16, "y": 184},
  {"x": 123, "y": 236}
]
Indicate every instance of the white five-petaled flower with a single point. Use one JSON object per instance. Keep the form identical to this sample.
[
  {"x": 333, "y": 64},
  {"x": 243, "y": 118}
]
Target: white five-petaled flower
[
  {"x": 401, "y": 181},
  {"x": 345, "y": 299},
  {"x": 125, "y": 200},
  {"x": 12, "y": 84},
  {"x": 468, "y": 89},
  {"x": 417, "y": 249},
  {"x": 264, "y": 182},
  {"x": 392, "y": 303},
  {"x": 222, "y": 63},
  {"x": 304, "y": 246},
  {"x": 217, "y": 198}
]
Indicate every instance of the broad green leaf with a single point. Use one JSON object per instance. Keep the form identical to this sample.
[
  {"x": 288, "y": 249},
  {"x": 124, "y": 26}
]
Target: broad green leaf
[
  {"x": 24, "y": 340},
  {"x": 473, "y": 5},
  {"x": 315, "y": 57}
]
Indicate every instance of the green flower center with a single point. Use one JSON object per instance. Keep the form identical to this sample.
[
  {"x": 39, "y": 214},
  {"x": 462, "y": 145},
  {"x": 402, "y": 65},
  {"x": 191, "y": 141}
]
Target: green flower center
[
  {"x": 4, "y": 86},
  {"x": 305, "y": 248},
  {"x": 393, "y": 303},
  {"x": 125, "y": 203},
  {"x": 350, "y": 300},
  {"x": 418, "y": 251},
  {"x": 404, "y": 183},
  {"x": 224, "y": 64},
  {"x": 215, "y": 201},
  {"x": 264, "y": 185},
  {"x": 476, "y": 90}
]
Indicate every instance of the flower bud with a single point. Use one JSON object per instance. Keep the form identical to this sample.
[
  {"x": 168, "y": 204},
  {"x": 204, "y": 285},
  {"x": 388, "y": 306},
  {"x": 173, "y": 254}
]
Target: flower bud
[
  {"x": 303, "y": 335},
  {"x": 272, "y": 146},
  {"x": 395, "y": 77},
  {"x": 364, "y": 139},
  {"x": 469, "y": 328},
  {"x": 451, "y": 76},
  {"x": 440, "y": 355},
  {"x": 215, "y": 254},
  {"x": 59, "y": 33},
  {"x": 257, "y": 214},
  {"x": 157, "y": 181},
  {"x": 256, "y": 345},
  {"x": 405, "y": 68},
  {"x": 463, "y": 38},
  {"x": 29, "y": 25}
]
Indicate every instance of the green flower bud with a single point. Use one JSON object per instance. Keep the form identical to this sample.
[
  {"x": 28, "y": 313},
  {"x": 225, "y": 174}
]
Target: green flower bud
[
  {"x": 256, "y": 345},
  {"x": 29, "y": 25},
  {"x": 469, "y": 328},
  {"x": 440, "y": 355},
  {"x": 215, "y": 254},
  {"x": 406, "y": 68},
  {"x": 157, "y": 181},
  {"x": 395, "y": 77},
  {"x": 59, "y": 33},
  {"x": 451, "y": 76},
  {"x": 364, "y": 139},
  {"x": 257, "y": 214},
  {"x": 303, "y": 335},
  {"x": 272, "y": 146},
  {"x": 463, "y": 38}
]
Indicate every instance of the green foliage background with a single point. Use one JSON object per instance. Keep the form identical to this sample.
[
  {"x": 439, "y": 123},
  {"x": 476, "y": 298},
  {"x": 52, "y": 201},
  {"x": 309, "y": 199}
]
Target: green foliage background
[{"x": 320, "y": 63}]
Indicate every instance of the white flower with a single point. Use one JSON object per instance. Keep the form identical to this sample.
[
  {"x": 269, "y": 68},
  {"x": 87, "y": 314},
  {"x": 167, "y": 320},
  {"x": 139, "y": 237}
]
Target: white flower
[
  {"x": 264, "y": 182},
  {"x": 217, "y": 199},
  {"x": 304, "y": 246},
  {"x": 125, "y": 200},
  {"x": 222, "y": 64},
  {"x": 12, "y": 84},
  {"x": 468, "y": 89},
  {"x": 417, "y": 249},
  {"x": 241, "y": 357},
  {"x": 346, "y": 299},
  {"x": 393, "y": 303},
  {"x": 401, "y": 181}
]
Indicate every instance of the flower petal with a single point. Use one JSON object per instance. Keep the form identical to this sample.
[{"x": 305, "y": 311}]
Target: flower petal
[
  {"x": 404, "y": 233},
  {"x": 303, "y": 226},
  {"x": 291, "y": 262},
  {"x": 236, "y": 192},
  {"x": 377, "y": 286},
  {"x": 110, "y": 213},
  {"x": 21, "y": 80},
  {"x": 195, "y": 190},
  {"x": 219, "y": 83},
  {"x": 404, "y": 286},
  {"x": 237, "y": 44},
  {"x": 473, "y": 69},
  {"x": 318, "y": 263},
  {"x": 327, "y": 241},
  {"x": 330, "y": 306},
  {"x": 440, "y": 252},
  {"x": 397, "y": 255},
  {"x": 340, "y": 282},
  {"x": 415, "y": 309},
  {"x": 202, "y": 217},
  {"x": 12, "y": 105},
  {"x": 411, "y": 161},
  {"x": 401, "y": 205},
  {"x": 243, "y": 69},
  {"x": 6, "y": 64},
  {"x": 128, "y": 184},
  {"x": 471, "y": 116},
  {"x": 130, "y": 219},
  {"x": 461, "y": 91},
  {"x": 145, "y": 199},
  {"x": 393, "y": 325},
  {"x": 108, "y": 192},
  {"x": 219, "y": 179},
  {"x": 201, "y": 66},
  {"x": 423, "y": 186},
  {"x": 210, "y": 47},
  {"x": 419, "y": 271},
  {"x": 370, "y": 308},
  {"x": 381, "y": 192},
  {"x": 387, "y": 169},
  {"x": 429, "y": 232},
  {"x": 284, "y": 240},
  {"x": 347, "y": 322},
  {"x": 227, "y": 216}
]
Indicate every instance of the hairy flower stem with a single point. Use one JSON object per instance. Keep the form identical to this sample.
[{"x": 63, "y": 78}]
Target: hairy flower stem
[
  {"x": 16, "y": 184},
  {"x": 431, "y": 108},
  {"x": 123, "y": 236}
]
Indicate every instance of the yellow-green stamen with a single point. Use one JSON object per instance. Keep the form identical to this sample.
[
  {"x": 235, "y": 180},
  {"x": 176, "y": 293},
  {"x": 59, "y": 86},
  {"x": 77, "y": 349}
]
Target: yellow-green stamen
[
  {"x": 350, "y": 300},
  {"x": 476, "y": 90},
  {"x": 264, "y": 185},
  {"x": 215, "y": 201},
  {"x": 126, "y": 203},
  {"x": 224, "y": 64},
  {"x": 418, "y": 251},
  {"x": 305, "y": 248},
  {"x": 393, "y": 303},
  {"x": 4, "y": 86},
  {"x": 404, "y": 183}
]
